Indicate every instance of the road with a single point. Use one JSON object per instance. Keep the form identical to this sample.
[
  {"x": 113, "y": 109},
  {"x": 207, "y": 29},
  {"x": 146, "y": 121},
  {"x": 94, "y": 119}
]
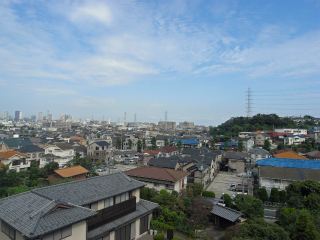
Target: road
[
  {"x": 270, "y": 212},
  {"x": 120, "y": 167}
]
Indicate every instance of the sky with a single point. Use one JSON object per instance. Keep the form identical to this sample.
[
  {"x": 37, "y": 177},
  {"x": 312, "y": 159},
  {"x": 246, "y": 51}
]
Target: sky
[{"x": 194, "y": 59}]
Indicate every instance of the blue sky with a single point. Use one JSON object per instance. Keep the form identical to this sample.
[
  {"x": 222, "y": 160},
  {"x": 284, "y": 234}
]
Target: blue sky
[{"x": 195, "y": 59}]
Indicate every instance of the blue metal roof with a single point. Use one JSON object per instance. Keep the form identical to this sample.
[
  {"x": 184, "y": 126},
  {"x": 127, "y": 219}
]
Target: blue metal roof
[
  {"x": 297, "y": 136},
  {"x": 289, "y": 162},
  {"x": 184, "y": 141}
]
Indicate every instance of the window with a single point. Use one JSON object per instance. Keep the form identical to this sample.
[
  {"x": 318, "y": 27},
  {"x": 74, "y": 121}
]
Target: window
[
  {"x": 108, "y": 202},
  {"x": 60, "y": 234},
  {"x": 55, "y": 175},
  {"x": 97, "y": 154},
  {"x": 124, "y": 196},
  {"x": 156, "y": 184},
  {"x": 97, "y": 148},
  {"x": 9, "y": 231},
  {"x": 277, "y": 180},
  {"x": 104, "y": 238},
  {"x": 143, "y": 224},
  {"x": 34, "y": 155}
]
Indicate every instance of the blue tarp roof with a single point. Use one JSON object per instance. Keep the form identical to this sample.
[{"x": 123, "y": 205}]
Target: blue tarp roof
[
  {"x": 297, "y": 136},
  {"x": 184, "y": 141},
  {"x": 230, "y": 144},
  {"x": 289, "y": 162}
]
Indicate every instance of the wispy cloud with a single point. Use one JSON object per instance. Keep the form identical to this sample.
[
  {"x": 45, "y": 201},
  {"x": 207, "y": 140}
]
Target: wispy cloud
[{"x": 54, "y": 91}]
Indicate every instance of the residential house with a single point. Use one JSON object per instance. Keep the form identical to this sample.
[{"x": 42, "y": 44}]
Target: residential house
[
  {"x": 13, "y": 144},
  {"x": 81, "y": 150},
  {"x": 134, "y": 141},
  {"x": 248, "y": 143},
  {"x": 99, "y": 151},
  {"x": 160, "y": 142},
  {"x": 280, "y": 172},
  {"x": 74, "y": 173},
  {"x": 224, "y": 217},
  {"x": 164, "y": 162},
  {"x": 199, "y": 173},
  {"x": 247, "y": 135},
  {"x": 294, "y": 139},
  {"x": 58, "y": 152},
  {"x": 289, "y": 154},
  {"x": 261, "y": 137},
  {"x": 256, "y": 154},
  {"x": 188, "y": 152},
  {"x": 168, "y": 151},
  {"x": 160, "y": 178},
  {"x": 34, "y": 153},
  {"x": 291, "y": 131},
  {"x": 79, "y": 140},
  {"x": 314, "y": 155},
  {"x": 16, "y": 160},
  {"x": 106, "y": 207},
  {"x": 315, "y": 134},
  {"x": 235, "y": 161}
]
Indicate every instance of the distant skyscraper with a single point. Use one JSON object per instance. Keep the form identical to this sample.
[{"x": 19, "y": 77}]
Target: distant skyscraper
[
  {"x": 17, "y": 116},
  {"x": 62, "y": 118},
  {"x": 20, "y": 116},
  {"x": 40, "y": 116},
  {"x": 33, "y": 117},
  {"x": 50, "y": 117},
  {"x": 6, "y": 115}
]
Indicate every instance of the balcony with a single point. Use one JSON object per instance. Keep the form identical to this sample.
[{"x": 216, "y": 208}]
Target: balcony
[{"x": 111, "y": 213}]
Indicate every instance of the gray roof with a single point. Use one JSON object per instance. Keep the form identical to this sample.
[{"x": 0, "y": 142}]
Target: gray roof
[
  {"x": 236, "y": 155},
  {"x": 15, "y": 142},
  {"x": 143, "y": 207},
  {"x": 102, "y": 143},
  {"x": 163, "y": 162},
  {"x": 27, "y": 213},
  {"x": 226, "y": 213},
  {"x": 92, "y": 189},
  {"x": 259, "y": 151},
  {"x": 30, "y": 149},
  {"x": 191, "y": 151},
  {"x": 63, "y": 145}
]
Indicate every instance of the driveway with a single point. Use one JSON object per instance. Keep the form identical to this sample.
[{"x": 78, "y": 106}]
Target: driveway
[{"x": 221, "y": 183}]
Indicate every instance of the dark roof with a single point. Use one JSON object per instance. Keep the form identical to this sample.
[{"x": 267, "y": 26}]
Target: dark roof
[
  {"x": 92, "y": 189},
  {"x": 21, "y": 212},
  {"x": 290, "y": 173},
  {"x": 163, "y": 162},
  {"x": 30, "y": 149},
  {"x": 15, "y": 142},
  {"x": 236, "y": 155},
  {"x": 191, "y": 151},
  {"x": 226, "y": 213},
  {"x": 259, "y": 151},
  {"x": 102, "y": 143},
  {"x": 64, "y": 146},
  {"x": 142, "y": 208}
]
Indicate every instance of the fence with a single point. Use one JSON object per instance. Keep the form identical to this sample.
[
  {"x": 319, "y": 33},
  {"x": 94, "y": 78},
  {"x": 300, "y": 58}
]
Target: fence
[{"x": 273, "y": 204}]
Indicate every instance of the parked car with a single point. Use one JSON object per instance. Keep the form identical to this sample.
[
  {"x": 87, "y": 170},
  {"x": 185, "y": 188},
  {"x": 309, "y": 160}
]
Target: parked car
[
  {"x": 243, "y": 174},
  {"x": 125, "y": 162},
  {"x": 132, "y": 161},
  {"x": 102, "y": 169},
  {"x": 135, "y": 157},
  {"x": 113, "y": 166}
]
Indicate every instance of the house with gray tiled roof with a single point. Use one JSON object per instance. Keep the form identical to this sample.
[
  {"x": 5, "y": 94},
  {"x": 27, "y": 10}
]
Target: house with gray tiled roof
[
  {"x": 58, "y": 152},
  {"x": 107, "y": 207},
  {"x": 224, "y": 217}
]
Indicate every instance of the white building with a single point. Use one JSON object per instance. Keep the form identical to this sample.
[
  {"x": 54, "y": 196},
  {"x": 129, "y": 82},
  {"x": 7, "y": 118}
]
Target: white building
[
  {"x": 292, "y": 131},
  {"x": 294, "y": 139},
  {"x": 59, "y": 152}
]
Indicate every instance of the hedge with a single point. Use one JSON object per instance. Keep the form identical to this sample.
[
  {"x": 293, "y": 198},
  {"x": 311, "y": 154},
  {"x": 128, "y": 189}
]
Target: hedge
[
  {"x": 159, "y": 236},
  {"x": 208, "y": 194}
]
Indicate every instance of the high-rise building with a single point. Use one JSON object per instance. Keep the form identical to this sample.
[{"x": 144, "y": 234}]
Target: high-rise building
[
  {"x": 33, "y": 117},
  {"x": 40, "y": 116},
  {"x": 20, "y": 116},
  {"x": 17, "y": 116},
  {"x": 50, "y": 117},
  {"x": 6, "y": 115},
  {"x": 62, "y": 118}
]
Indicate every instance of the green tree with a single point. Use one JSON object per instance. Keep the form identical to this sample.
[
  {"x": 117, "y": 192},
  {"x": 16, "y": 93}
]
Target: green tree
[
  {"x": 280, "y": 146},
  {"x": 85, "y": 163},
  {"x": 283, "y": 196},
  {"x": 267, "y": 145},
  {"x": 154, "y": 143},
  {"x": 295, "y": 148},
  {"x": 118, "y": 143},
  {"x": 305, "y": 228},
  {"x": 274, "y": 196},
  {"x": 148, "y": 193},
  {"x": 249, "y": 205},
  {"x": 197, "y": 188},
  {"x": 199, "y": 213},
  {"x": 212, "y": 143},
  {"x": 51, "y": 166},
  {"x": 227, "y": 200},
  {"x": 226, "y": 145},
  {"x": 240, "y": 145},
  {"x": 130, "y": 143},
  {"x": 263, "y": 194},
  {"x": 187, "y": 203},
  {"x": 8, "y": 178},
  {"x": 308, "y": 146},
  {"x": 143, "y": 143},
  {"x": 139, "y": 145},
  {"x": 166, "y": 142},
  {"x": 179, "y": 145}
]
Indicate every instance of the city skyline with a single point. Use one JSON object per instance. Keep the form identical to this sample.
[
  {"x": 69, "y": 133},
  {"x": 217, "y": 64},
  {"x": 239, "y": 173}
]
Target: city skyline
[{"x": 195, "y": 60}]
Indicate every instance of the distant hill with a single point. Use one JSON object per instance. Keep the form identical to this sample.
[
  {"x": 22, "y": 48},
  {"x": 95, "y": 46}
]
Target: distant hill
[{"x": 232, "y": 127}]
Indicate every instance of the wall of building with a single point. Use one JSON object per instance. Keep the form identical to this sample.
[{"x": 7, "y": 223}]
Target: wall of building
[
  {"x": 3, "y": 236},
  {"x": 79, "y": 231}
]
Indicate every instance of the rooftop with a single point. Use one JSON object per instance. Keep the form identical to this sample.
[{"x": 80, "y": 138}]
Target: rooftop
[
  {"x": 290, "y": 163},
  {"x": 289, "y": 154},
  {"x": 71, "y": 171}
]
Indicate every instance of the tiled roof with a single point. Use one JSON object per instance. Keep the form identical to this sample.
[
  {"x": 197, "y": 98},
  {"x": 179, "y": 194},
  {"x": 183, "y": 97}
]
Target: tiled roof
[
  {"x": 157, "y": 173},
  {"x": 259, "y": 151},
  {"x": 295, "y": 174},
  {"x": 76, "y": 138},
  {"x": 71, "y": 171},
  {"x": 15, "y": 142},
  {"x": 279, "y": 151},
  {"x": 152, "y": 152},
  {"x": 226, "y": 213},
  {"x": 163, "y": 162},
  {"x": 92, "y": 189},
  {"x": 143, "y": 207},
  {"x": 314, "y": 153},
  {"x": 64, "y": 146},
  {"x": 21, "y": 212},
  {"x": 290, "y": 163},
  {"x": 102, "y": 143},
  {"x": 289, "y": 154},
  {"x": 30, "y": 149},
  {"x": 168, "y": 149},
  {"x": 191, "y": 151},
  {"x": 9, "y": 154}
]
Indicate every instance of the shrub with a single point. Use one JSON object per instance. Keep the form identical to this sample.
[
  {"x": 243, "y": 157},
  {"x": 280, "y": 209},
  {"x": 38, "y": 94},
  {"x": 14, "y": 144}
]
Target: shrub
[
  {"x": 208, "y": 194},
  {"x": 175, "y": 193},
  {"x": 163, "y": 192},
  {"x": 159, "y": 236},
  {"x": 176, "y": 239},
  {"x": 274, "y": 197},
  {"x": 263, "y": 194},
  {"x": 227, "y": 200},
  {"x": 283, "y": 196},
  {"x": 40, "y": 179}
]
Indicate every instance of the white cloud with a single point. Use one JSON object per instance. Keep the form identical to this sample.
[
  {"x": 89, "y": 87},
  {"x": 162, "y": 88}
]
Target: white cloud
[
  {"x": 54, "y": 91},
  {"x": 89, "y": 101}
]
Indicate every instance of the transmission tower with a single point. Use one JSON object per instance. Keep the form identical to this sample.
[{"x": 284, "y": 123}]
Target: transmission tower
[
  {"x": 166, "y": 119},
  {"x": 249, "y": 99}
]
